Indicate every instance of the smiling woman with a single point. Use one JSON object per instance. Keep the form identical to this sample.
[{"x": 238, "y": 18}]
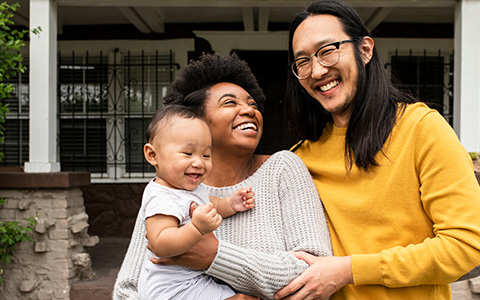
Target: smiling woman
[
  {"x": 252, "y": 251},
  {"x": 231, "y": 104}
]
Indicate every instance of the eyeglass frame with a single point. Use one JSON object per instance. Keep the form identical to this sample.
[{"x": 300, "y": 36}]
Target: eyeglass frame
[{"x": 336, "y": 44}]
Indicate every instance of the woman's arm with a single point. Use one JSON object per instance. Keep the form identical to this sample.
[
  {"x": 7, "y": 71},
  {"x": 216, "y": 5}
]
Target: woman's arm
[
  {"x": 126, "y": 285},
  {"x": 325, "y": 276},
  {"x": 304, "y": 228}
]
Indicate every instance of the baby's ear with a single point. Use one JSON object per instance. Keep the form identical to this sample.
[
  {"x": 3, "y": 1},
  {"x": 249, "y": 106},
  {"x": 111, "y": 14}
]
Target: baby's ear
[{"x": 149, "y": 153}]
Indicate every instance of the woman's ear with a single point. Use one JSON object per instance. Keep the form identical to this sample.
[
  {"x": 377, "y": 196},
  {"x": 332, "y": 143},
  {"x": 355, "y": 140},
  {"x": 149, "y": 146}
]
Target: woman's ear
[
  {"x": 150, "y": 155},
  {"x": 367, "y": 49}
]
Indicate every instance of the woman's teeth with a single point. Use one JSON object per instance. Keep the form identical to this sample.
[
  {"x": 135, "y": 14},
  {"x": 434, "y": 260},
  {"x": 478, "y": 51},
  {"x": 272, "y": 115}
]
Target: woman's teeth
[
  {"x": 329, "y": 86},
  {"x": 246, "y": 126}
]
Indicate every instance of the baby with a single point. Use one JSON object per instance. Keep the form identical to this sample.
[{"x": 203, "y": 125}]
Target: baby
[{"x": 179, "y": 147}]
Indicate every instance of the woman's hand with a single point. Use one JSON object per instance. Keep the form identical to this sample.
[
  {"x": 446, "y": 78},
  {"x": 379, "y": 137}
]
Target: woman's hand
[
  {"x": 324, "y": 276},
  {"x": 199, "y": 257}
]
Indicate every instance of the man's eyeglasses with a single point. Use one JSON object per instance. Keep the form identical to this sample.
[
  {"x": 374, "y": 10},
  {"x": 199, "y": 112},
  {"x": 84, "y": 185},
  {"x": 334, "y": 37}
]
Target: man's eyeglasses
[{"x": 327, "y": 55}]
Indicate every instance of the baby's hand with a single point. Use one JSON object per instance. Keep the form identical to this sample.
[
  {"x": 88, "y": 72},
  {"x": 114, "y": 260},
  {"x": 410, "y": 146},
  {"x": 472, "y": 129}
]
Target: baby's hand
[
  {"x": 205, "y": 218},
  {"x": 242, "y": 199}
]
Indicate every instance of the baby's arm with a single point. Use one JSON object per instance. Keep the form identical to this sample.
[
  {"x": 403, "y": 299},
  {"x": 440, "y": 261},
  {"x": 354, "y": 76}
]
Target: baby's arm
[
  {"x": 167, "y": 239},
  {"x": 240, "y": 200}
]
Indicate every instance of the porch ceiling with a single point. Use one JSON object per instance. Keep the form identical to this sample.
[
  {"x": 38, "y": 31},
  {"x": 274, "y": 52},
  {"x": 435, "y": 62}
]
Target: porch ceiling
[{"x": 150, "y": 16}]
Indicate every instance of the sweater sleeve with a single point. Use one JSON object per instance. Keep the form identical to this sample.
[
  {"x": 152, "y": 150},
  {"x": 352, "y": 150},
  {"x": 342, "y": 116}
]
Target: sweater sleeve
[
  {"x": 262, "y": 274},
  {"x": 450, "y": 197},
  {"x": 126, "y": 285}
]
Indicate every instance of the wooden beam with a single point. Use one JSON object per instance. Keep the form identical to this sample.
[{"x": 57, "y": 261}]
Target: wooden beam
[
  {"x": 248, "y": 20},
  {"x": 131, "y": 14},
  {"x": 152, "y": 17},
  {"x": 377, "y": 17},
  {"x": 263, "y": 18}
]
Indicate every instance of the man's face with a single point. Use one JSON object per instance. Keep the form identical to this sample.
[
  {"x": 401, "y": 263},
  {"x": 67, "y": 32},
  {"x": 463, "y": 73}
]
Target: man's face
[{"x": 333, "y": 87}]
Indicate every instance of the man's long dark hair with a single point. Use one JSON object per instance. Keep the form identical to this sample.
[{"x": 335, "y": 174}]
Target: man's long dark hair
[{"x": 375, "y": 104}]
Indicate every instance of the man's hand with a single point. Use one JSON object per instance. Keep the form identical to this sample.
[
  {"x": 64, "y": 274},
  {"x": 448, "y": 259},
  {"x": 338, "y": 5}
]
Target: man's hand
[
  {"x": 324, "y": 276},
  {"x": 199, "y": 257}
]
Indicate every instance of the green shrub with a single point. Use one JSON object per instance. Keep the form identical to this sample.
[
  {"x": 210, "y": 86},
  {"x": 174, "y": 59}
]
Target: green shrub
[{"x": 12, "y": 233}]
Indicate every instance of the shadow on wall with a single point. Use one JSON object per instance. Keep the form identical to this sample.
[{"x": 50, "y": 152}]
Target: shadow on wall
[{"x": 112, "y": 208}]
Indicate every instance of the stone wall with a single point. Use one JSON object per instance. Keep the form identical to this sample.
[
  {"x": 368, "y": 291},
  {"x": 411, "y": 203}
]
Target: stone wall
[{"x": 46, "y": 268}]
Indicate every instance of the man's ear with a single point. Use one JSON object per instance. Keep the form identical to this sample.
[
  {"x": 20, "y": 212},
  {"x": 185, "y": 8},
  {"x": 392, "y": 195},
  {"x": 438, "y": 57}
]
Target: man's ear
[
  {"x": 149, "y": 153},
  {"x": 367, "y": 49}
]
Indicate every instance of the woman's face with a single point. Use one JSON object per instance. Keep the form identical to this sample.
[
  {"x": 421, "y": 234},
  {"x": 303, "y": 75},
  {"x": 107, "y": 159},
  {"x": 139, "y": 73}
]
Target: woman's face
[{"x": 233, "y": 117}]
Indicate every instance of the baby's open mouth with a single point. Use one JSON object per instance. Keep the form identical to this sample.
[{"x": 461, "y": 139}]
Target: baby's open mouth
[{"x": 194, "y": 175}]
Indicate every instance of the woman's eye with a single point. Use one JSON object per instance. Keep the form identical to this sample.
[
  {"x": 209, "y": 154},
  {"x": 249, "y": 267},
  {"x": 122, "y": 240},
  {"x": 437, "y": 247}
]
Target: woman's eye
[
  {"x": 229, "y": 102},
  {"x": 254, "y": 104}
]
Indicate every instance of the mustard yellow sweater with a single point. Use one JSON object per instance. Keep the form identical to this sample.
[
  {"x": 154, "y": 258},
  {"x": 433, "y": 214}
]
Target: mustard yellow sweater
[{"x": 412, "y": 225}]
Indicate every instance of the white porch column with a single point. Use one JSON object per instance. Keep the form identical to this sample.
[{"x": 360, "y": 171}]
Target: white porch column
[
  {"x": 43, "y": 88},
  {"x": 466, "y": 116}
]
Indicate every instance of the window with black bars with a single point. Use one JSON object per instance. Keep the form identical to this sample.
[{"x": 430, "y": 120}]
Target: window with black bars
[
  {"x": 427, "y": 77},
  {"x": 16, "y": 125},
  {"x": 105, "y": 102}
]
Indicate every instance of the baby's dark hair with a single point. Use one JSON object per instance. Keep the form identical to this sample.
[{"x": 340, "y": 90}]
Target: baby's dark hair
[
  {"x": 190, "y": 89},
  {"x": 164, "y": 115}
]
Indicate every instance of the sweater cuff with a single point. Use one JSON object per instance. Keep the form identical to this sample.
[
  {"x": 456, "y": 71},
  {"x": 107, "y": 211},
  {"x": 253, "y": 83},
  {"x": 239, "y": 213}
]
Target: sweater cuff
[
  {"x": 367, "y": 269},
  {"x": 228, "y": 263}
]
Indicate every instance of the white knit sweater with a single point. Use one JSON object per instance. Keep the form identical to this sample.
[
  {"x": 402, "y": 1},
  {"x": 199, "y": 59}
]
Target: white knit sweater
[{"x": 253, "y": 246}]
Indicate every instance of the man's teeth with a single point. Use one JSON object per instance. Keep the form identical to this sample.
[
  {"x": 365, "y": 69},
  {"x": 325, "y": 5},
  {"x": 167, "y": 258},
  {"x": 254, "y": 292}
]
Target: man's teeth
[
  {"x": 329, "y": 86},
  {"x": 246, "y": 126}
]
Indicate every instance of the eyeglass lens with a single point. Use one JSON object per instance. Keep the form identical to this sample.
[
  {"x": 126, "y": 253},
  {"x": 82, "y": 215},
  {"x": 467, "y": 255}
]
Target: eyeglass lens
[{"x": 327, "y": 56}]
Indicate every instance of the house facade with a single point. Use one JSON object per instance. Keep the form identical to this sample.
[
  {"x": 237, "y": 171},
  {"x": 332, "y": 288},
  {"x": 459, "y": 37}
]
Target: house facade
[{"x": 99, "y": 69}]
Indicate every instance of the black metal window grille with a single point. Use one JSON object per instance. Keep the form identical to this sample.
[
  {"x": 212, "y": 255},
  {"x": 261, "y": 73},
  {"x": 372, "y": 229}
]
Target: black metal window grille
[
  {"x": 105, "y": 104},
  {"x": 427, "y": 77},
  {"x": 16, "y": 126}
]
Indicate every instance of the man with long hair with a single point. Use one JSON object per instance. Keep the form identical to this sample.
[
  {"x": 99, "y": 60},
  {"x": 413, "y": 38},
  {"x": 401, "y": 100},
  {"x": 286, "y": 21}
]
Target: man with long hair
[{"x": 399, "y": 190}]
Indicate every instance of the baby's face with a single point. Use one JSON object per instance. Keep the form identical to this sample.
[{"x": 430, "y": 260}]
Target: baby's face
[{"x": 184, "y": 154}]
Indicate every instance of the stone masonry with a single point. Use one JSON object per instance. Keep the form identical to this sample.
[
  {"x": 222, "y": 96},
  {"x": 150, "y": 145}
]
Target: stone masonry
[{"x": 46, "y": 268}]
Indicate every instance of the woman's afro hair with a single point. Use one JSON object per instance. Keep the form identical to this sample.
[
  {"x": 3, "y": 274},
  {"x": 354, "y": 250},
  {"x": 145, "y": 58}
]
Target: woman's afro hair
[{"x": 190, "y": 88}]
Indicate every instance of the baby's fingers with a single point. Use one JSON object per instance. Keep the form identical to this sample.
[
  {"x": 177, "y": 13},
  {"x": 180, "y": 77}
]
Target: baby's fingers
[
  {"x": 248, "y": 195},
  {"x": 249, "y": 203}
]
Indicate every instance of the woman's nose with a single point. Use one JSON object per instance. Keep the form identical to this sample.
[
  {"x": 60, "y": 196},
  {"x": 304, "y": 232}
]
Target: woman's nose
[{"x": 248, "y": 110}]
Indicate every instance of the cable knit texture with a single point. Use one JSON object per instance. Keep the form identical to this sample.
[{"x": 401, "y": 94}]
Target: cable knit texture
[{"x": 253, "y": 247}]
